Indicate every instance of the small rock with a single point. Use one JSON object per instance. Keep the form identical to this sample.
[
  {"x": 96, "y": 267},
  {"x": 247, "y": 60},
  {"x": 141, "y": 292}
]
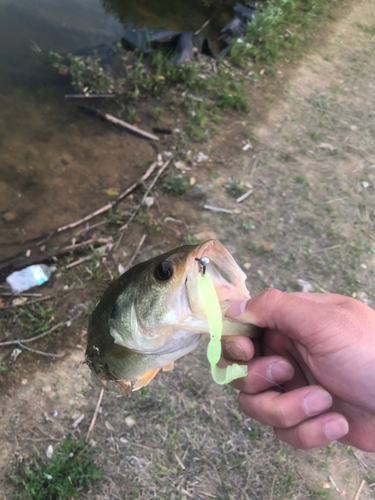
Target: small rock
[
  {"x": 24, "y": 381},
  {"x": 305, "y": 286},
  {"x": 121, "y": 269},
  {"x": 49, "y": 451},
  {"x": 66, "y": 158},
  {"x": 198, "y": 192},
  {"x": 149, "y": 201},
  {"x": 130, "y": 421},
  {"x": 363, "y": 266},
  {"x": 47, "y": 389},
  {"x": 365, "y": 184},
  {"x": 201, "y": 157},
  {"x": 9, "y": 216},
  {"x": 247, "y": 266},
  {"x": 353, "y": 127}
]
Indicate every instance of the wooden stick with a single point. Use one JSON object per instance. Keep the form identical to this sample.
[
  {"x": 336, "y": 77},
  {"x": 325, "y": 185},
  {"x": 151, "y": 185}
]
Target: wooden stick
[
  {"x": 125, "y": 226},
  {"x": 95, "y": 414},
  {"x": 41, "y": 352},
  {"x": 360, "y": 490},
  {"x": 20, "y": 261},
  {"x": 87, "y": 96},
  {"x": 15, "y": 262},
  {"x": 24, "y": 341},
  {"x": 218, "y": 209},
  {"x": 135, "y": 254},
  {"x": 123, "y": 195},
  {"x": 133, "y": 129},
  {"x": 10, "y": 294},
  {"x": 29, "y": 302},
  {"x": 120, "y": 123},
  {"x": 244, "y": 196},
  {"x": 202, "y": 28}
]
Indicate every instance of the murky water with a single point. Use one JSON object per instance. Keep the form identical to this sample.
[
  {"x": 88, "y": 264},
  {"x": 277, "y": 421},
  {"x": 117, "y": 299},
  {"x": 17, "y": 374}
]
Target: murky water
[{"x": 55, "y": 162}]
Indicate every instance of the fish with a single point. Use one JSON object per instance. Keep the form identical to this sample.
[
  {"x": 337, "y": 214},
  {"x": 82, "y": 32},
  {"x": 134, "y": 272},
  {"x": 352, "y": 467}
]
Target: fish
[{"x": 151, "y": 315}]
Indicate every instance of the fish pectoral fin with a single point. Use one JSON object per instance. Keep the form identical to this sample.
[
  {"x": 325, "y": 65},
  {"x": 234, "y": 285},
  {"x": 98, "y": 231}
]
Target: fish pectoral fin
[
  {"x": 168, "y": 367},
  {"x": 145, "y": 379}
]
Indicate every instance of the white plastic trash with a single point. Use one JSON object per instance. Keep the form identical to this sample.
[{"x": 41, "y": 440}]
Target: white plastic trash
[{"x": 23, "y": 280}]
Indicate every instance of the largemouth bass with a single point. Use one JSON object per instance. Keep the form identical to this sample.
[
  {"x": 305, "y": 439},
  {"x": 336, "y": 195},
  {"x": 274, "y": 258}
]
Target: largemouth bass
[{"x": 151, "y": 315}]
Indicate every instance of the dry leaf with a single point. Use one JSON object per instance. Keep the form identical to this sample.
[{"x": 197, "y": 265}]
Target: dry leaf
[{"x": 109, "y": 426}]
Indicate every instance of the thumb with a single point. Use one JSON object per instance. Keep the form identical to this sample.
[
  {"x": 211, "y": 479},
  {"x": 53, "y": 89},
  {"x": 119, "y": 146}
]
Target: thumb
[{"x": 302, "y": 317}]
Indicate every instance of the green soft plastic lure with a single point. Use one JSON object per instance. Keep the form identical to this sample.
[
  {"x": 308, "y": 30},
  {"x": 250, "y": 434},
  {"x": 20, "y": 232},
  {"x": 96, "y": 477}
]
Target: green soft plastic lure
[{"x": 211, "y": 308}]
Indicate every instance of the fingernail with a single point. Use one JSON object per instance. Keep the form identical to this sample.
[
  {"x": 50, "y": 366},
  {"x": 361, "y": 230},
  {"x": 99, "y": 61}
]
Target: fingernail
[
  {"x": 280, "y": 371},
  {"x": 316, "y": 402},
  {"x": 236, "y": 309},
  {"x": 235, "y": 350},
  {"x": 336, "y": 428}
]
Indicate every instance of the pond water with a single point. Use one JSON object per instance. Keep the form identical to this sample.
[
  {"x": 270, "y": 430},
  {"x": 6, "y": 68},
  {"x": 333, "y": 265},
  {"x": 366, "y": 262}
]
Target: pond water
[{"x": 56, "y": 162}]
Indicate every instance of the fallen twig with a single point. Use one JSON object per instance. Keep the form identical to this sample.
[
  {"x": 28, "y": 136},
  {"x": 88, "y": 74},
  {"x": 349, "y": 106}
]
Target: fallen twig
[
  {"x": 41, "y": 352},
  {"x": 16, "y": 262},
  {"x": 203, "y": 26},
  {"x": 161, "y": 170},
  {"x": 334, "y": 484},
  {"x": 95, "y": 414},
  {"x": 135, "y": 254},
  {"x": 360, "y": 490},
  {"x": 218, "y": 209},
  {"x": 113, "y": 203},
  {"x": 88, "y": 257},
  {"x": 24, "y": 341},
  {"x": 21, "y": 261},
  {"x": 333, "y": 247},
  {"x": 10, "y": 294},
  {"x": 121, "y": 123},
  {"x": 28, "y": 303},
  {"x": 244, "y": 196},
  {"x": 87, "y": 96}
]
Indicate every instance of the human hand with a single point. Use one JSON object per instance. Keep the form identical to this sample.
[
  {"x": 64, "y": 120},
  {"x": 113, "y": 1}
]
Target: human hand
[{"x": 321, "y": 348}]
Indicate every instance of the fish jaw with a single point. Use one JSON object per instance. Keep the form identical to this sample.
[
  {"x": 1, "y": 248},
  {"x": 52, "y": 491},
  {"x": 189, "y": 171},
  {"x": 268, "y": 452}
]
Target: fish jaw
[{"x": 228, "y": 278}]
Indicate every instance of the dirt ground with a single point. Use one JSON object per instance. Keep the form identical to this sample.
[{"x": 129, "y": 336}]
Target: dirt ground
[{"x": 308, "y": 224}]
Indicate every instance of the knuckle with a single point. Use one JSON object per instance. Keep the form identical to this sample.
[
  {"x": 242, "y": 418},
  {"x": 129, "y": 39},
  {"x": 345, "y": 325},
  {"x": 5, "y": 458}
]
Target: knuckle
[
  {"x": 283, "y": 418},
  {"x": 301, "y": 438}
]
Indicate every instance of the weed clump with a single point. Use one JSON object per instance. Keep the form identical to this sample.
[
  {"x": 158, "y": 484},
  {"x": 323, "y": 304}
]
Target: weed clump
[
  {"x": 176, "y": 184},
  {"x": 69, "y": 470}
]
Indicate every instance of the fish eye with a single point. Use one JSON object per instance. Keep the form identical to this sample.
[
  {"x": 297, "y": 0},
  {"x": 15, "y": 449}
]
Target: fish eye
[{"x": 163, "y": 271}]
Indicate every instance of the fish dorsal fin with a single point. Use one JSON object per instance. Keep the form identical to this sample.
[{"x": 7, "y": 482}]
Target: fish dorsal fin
[{"x": 145, "y": 379}]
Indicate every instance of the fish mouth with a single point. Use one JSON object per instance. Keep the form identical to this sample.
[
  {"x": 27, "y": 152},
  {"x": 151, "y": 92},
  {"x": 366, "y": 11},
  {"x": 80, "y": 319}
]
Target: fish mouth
[{"x": 228, "y": 278}]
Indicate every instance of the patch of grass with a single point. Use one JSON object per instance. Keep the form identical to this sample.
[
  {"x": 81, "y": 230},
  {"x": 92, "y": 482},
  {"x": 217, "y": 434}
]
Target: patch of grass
[
  {"x": 38, "y": 318},
  {"x": 370, "y": 30},
  {"x": 320, "y": 495},
  {"x": 3, "y": 368},
  {"x": 235, "y": 187},
  {"x": 69, "y": 471},
  {"x": 191, "y": 239},
  {"x": 232, "y": 98},
  {"x": 176, "y": 184}
]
